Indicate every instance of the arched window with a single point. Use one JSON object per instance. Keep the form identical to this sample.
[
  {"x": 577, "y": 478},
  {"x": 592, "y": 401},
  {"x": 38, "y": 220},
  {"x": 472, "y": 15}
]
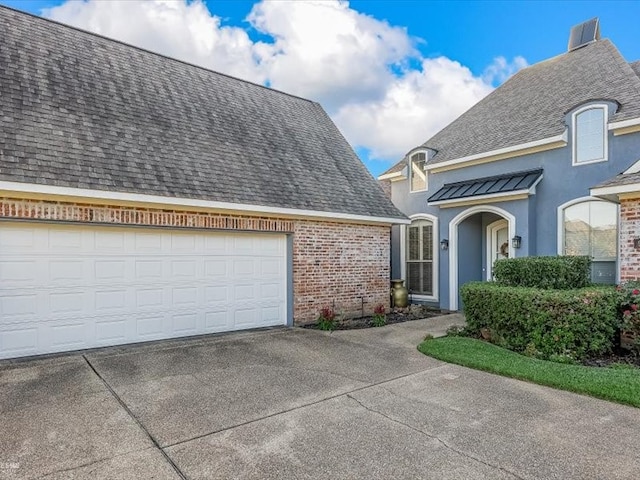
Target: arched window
[
  {"x": 591, "y": 228},
  {"x": 590, "y": 135},
  {"x": 420, "y": 256}
]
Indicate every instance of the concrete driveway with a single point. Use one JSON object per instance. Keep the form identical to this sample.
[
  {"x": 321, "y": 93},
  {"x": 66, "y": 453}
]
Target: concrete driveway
[{"x": 299, "y": 404}]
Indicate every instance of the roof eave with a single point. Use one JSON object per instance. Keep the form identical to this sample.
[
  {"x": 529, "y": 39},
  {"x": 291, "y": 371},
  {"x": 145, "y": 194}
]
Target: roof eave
[
  {"x": 549, "y": 143},
  {"x": 30, "y": 190}
]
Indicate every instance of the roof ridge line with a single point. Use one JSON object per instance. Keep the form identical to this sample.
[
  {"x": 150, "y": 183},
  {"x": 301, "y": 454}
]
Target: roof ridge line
[{"x": 184, "y": 62}]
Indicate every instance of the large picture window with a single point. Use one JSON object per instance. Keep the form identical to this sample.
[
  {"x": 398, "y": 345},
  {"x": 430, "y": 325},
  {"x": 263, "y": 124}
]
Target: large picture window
[
  {"x": 420, "y": 256},
  {"x": 591, "y": 228}
]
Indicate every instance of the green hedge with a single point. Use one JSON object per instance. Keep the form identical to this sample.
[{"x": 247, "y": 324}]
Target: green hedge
[
  {"x": 555, "y": 324},
  {"x": 561, "y": 273}
]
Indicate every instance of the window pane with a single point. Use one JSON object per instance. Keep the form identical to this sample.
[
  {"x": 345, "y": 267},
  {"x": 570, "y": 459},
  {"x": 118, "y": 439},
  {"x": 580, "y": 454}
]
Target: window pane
[
  {"x": 427, "y": 242},
  {"x": 414, "y": 244},
  {"x": 603, "y": 221},
  {"x": 413, "y": 277},
  {"x": 576, "y": 229},
  {"x": 589, "y": 135},
  {"x": 591, "y": 228},
  {"x": 418, "y": 175},
  {"x": 427, "y": 278}
]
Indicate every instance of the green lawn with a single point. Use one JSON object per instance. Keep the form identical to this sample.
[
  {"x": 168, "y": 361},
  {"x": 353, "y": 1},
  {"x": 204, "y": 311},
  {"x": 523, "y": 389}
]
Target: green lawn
[{"x": 620, "y": 385}]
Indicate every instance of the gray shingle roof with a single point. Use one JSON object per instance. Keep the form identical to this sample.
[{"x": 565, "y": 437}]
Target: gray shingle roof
[
  {"x": 532, "y": 104},
  {"x": 621, "y": 179},
  {"x": 510, "y": 182},
  {"x": 79, "y": 110},
  {"x": 636, "y": 67}
]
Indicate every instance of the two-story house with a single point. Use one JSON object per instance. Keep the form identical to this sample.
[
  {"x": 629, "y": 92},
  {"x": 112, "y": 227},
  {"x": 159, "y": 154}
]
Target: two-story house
[{"x": 514, "y": 176}]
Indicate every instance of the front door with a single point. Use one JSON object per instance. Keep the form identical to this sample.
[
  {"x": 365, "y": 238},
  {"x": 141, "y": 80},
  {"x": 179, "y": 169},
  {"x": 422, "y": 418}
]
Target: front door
[{"x": 497, "y": 243}]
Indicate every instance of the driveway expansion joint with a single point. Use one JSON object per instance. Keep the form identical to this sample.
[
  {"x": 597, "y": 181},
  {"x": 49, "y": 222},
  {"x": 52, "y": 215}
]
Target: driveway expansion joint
[
  {"x": 137, "y": 421},
  {"x": 434, "y": 437},
  {"x": 299, "y": 407},
  {"x": 88, "y": 464}
]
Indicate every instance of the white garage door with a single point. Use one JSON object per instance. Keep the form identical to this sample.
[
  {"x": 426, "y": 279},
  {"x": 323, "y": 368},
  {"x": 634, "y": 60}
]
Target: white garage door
[{"x": 72, "y": 287}]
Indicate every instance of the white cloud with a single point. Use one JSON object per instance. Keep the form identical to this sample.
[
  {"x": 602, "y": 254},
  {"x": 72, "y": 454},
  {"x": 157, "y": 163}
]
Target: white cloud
[
  {"x": 361, "y": 69},
  {"x": 415, "y": 107},
  {"x": 179, "y": 29},
  {"x": 328, "y": 51},
  {"x": 501, "y": 69}
]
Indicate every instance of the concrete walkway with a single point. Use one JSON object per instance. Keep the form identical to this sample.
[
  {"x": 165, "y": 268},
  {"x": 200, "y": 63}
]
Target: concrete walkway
[{"x": 295, "y": 403}]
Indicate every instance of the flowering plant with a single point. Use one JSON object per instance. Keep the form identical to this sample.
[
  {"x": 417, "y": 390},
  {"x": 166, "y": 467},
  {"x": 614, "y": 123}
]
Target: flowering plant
[
  {"x": 379, "y": 316},
  {"x": 326, "y": 319}
]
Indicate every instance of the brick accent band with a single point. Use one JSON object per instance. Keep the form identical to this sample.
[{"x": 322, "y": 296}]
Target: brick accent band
[{"x": 86, "y": 213}]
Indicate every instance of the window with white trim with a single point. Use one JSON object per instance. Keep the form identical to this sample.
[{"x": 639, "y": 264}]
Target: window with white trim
[
  {"x": 590, "y": 135},
  {"x": 420, "y": 250},
  {"x": 591, "y": 228},
  {"x": 418, "y": 175}
]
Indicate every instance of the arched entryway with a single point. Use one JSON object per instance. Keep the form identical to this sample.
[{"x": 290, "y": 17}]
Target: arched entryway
[{"x": 471, "y": 242}]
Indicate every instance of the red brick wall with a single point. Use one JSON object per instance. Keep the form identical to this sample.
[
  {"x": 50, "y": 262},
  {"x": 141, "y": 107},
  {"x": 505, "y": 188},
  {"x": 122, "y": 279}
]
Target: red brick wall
[
  {"x": 334, "y": 264},
  {"x": 629, "y": 230},
  {"x": 338, "y": 265}
]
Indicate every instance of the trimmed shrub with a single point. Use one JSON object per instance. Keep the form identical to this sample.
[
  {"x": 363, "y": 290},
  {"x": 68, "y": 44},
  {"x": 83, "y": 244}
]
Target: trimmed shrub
[
  {"x": 561, "y": 273},
  {"x": 544, "y": 323}
]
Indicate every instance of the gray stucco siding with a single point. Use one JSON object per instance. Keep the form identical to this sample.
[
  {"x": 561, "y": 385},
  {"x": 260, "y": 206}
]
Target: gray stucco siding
[{"x": 537, "y": 216}]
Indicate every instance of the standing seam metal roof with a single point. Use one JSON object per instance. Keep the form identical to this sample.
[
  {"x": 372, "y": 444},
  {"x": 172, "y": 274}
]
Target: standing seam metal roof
[{"x": 510, "y": 182}]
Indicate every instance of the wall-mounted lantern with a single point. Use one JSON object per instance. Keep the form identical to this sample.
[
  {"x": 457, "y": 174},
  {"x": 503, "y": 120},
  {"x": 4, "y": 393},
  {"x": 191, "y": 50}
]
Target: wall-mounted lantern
[
  {"x": 444, "y": 244},
  {"x": 516, "y": 241}
]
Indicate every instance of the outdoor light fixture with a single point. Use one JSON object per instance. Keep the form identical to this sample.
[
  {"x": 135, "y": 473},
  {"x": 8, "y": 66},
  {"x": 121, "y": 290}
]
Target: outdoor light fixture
[
  {"x": 444, "y": 244},
  {"x": 516, "y": 241}
]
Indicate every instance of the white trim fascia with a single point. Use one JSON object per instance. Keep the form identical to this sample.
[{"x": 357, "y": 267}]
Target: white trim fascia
[
  {"x": 615, "y": 190},
  {"x": 624, "y": 124},
  {"x": 574, "y": 147},
  {"x": 390, "y": 176},
  {"x": 500, "y": 151},
  {"x": 82, "y": 193},
  {"x": 491, "y": 196},
  {"x": 453, "y": 244},
  {"x": 635, "y": 168},
  {"x": 436, "y": 255}
]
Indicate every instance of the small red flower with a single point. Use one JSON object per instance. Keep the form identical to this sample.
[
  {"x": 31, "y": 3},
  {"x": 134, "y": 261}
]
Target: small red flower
[
  {"x": 636, "y": 291},
  {"x": 379, "y": 310},
  {"x": 626, "y": 313},
  {"x": 634, "y": 307}
]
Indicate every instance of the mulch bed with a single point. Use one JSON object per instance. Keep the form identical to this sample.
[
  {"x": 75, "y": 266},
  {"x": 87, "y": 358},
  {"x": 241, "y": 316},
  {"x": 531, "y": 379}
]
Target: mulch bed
[
  {"x": 618, "y": 356},
  {"x": 399, "y": 315}
]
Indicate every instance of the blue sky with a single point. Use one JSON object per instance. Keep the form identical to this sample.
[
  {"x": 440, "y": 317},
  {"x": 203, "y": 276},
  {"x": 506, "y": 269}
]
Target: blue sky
[{"x": 424, "y": 72}]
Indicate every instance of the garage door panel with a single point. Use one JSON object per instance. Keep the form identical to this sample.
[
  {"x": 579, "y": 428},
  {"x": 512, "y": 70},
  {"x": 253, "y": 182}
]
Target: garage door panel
[
  {"x": 109, "y": 331},
  {"x": 18, "y": 342},
  {"x": 110, "y": 301},
  {"x": 69, "y": 287}
]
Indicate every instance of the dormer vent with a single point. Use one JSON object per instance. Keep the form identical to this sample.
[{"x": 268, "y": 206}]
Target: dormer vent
[{"x": 584, "y": 34}]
